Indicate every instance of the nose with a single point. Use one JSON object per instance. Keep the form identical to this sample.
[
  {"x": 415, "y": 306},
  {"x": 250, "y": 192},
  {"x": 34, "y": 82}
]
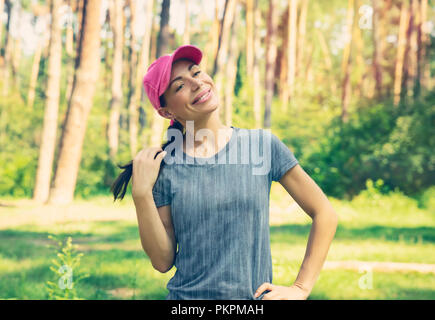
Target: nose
[{"x": 195, "y": 83}]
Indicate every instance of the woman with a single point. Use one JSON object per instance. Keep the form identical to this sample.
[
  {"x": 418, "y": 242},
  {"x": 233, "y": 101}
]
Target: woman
[{"x": 203, "y": 192}]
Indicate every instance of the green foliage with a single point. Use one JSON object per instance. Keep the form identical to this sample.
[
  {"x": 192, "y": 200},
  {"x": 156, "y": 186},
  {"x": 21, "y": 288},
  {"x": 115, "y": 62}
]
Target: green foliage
[
  {"x": 64, "y": 268},
  {"x": 376, "y": 195},
  {"x": 18, "y": 140},
  {"x": 394, "y": 144},
  {"x": 426, "y": 199}
]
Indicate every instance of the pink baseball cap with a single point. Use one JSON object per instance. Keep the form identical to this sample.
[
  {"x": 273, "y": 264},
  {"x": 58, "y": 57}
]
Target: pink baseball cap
[{"x": 158, "y": 74}]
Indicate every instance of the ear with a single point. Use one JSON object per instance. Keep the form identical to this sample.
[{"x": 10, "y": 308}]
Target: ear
[{"x": 165, "y": 114}]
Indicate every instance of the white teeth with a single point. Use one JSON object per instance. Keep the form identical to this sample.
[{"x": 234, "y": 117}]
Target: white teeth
[{"x": 202, "y": 98}]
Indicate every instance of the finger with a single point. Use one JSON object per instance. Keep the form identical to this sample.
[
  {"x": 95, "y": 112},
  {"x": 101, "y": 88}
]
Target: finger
[
  {"x": 264, "y": 286},
  {"x": 268, "y": 296},
  {"x": 151, "y": 152},
  {"x": 161, "y": 155},
  {"x": 272, "y": 295}
]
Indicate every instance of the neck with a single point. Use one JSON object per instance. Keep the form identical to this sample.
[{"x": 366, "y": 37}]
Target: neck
[{"x": 208, "y": 134}]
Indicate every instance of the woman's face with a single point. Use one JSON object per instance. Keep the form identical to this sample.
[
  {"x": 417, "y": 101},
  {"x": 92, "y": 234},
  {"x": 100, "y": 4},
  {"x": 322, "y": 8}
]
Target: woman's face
[{"x": 187, "y": 83}]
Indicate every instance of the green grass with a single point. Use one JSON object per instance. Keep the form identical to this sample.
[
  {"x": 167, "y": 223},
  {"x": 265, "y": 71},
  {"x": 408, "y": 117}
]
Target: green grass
[{"x": 371, "y": 228}]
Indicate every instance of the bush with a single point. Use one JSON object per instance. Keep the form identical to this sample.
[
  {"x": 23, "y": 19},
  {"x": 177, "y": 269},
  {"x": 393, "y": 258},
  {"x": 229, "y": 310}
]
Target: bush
[
  {"x": 426, "y": 199},
  {"x": 394, "y": 144}
]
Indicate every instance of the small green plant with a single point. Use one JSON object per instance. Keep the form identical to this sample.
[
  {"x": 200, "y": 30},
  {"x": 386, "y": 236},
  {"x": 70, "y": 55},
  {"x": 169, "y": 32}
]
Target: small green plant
[
  {"x": 65, "y": 271},
  {"x": 376, "y": 187}
]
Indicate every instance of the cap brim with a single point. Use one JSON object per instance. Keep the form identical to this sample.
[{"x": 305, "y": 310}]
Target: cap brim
[{"x": 187, "y": 51}]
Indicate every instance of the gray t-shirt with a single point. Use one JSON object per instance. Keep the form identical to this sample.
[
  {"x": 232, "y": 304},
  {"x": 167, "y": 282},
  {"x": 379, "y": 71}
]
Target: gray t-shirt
[{"x": 220, "y": 213}]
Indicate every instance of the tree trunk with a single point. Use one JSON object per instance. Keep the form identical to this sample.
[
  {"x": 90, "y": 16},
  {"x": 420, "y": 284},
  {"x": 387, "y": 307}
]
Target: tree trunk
[
  {"x": 48, "y": 139},
  {"x": 211, "y": 47},
  {"x": 2, "y": 7},
  {"x": 413, "y": 53},
  {"x": 378, "y": 42},
  {"x": 116, "y": 101},
  {"x": 308, "y": 74},
  {"x": 144, "y": 56},
  {"x": 186, "y": 34},
  {"x": 7, "y": 50},
  {"x": 256, "y": 67},
  {"x": 162, "y": 48},
  {"x": 132, "y": 105},
  {"x": 79, "y": 107},
  {"x": 301, "y": 38},
  {"x": 154, "y": 32},
  {"x": 231, "y": 68},
  {"x": 163, "y": 37},
  {"x": 420, "y": 21},
  {"x": 401, "y": 44},
  {"x": 35, "y": 70},
  {"x": 270, "y": 63},
  {"x": 249, "y": 37},
  {"x": 359, "y": 58},
  {"x": 222, "y": 56},
  {"x": 327, "y": 60},
  {"x": 107, "y": 46},
  {"x": 346, "y": 62},
  {"x": 80, "y": 12},
  {"x": 69, "y": 48},
  {"x": 407, "y": 60},
  {"x": 291, "y": 54},
  {"x": 425, "y": 42},
  {"x": 16, "y": 53},
  {"x": 281, "y": 58},
  {"x": 348, "y": 36}
]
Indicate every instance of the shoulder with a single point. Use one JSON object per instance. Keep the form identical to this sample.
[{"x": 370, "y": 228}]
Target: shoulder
[
  {"x": 165, "y": 170},
  {"x": 263, "y": 136},
  {"x": 260, "y": 132}
]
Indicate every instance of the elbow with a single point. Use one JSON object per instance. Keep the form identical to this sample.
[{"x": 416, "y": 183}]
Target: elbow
[
  {"x": 328, "y": 215},
  {"x": 333, "y": 216},
  {"x": 162, "y": 268}
]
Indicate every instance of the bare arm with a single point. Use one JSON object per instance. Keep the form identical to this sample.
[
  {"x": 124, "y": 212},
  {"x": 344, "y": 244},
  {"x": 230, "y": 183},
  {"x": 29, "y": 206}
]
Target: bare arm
[
  {"x": 314, "y": 202},
  {"x": 156, "y": 232},
  {"x": 155, "y": 225}
]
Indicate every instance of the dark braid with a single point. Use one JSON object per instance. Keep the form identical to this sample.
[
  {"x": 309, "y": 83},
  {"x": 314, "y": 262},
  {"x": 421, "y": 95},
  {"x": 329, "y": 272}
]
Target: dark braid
[{"x": 119, "y": 186}]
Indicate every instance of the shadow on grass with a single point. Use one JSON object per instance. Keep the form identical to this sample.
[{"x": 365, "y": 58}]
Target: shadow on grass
[
  {"x": 25, "y": 284},
  {"x": 414, "y": 294},
  {"x": 122, "y": 232},
  {"x": 28, "y": 283},
  {"x": 19, "y": 244},
  {"x": 291, "y": 231},
  {"x": 108, "y": 269}
]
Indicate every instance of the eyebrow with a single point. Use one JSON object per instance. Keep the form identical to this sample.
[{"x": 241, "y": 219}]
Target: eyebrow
[{"x": 179, "y": 78}]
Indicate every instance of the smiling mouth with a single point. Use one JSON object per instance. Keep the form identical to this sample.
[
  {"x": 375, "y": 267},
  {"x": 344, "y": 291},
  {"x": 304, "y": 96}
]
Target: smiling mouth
[{"x": 203, "y": 98}]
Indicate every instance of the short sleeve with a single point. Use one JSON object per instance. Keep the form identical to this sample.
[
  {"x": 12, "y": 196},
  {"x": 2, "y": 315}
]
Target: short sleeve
[
  {"x": 283, "y": 158},
  {"x": 162, "y": 189}
]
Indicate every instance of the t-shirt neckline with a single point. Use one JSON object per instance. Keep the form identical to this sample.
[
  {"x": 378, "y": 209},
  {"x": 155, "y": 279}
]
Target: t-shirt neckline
[{"x": 216, "y": 155}]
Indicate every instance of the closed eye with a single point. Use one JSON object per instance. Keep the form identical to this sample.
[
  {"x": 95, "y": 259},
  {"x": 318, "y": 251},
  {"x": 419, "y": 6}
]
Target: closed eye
[{"x": 179, "y": 87}]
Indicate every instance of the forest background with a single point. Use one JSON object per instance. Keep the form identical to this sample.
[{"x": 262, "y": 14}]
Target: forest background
[{"x": 347, "y": 85}]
